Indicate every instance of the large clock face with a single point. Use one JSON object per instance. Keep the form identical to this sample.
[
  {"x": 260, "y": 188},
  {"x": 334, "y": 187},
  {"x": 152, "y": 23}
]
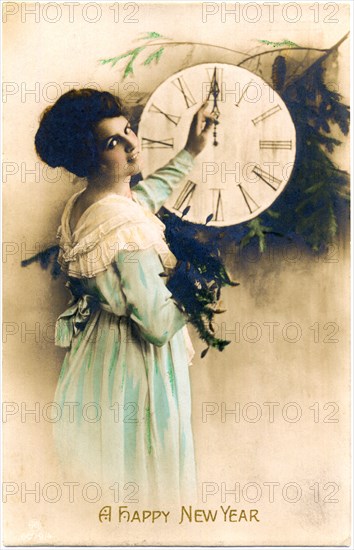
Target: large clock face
[{"x": 240, "y": 176}]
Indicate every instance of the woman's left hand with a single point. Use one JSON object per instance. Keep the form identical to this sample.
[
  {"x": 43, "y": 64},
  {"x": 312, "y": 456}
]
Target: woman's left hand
[{"x": 198, "y": 136}]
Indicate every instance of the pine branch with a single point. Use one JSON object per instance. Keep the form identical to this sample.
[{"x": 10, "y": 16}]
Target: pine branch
[
  {"x": 198, "y": 277},
  {"x": 279, "y": 44},
  {"x": 46, "y": 258}
]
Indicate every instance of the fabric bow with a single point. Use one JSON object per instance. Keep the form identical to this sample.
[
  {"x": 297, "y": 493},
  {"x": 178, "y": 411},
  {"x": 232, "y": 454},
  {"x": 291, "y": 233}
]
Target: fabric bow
[{"x": 74, "y": 319}]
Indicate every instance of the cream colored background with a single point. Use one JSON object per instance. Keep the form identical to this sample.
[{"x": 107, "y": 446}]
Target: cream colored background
[{"x": 272, "y": 290}]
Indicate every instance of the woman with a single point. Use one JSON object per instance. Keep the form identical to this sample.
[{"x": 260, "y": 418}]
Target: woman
[{"x": 124, "y": 385}]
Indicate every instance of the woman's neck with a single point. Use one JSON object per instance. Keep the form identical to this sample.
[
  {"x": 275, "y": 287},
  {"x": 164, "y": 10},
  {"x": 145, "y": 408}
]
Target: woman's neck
[{"x": 102, "y": 184}]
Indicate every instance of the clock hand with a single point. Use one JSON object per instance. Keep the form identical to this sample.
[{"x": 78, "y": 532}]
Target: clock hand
[{"x": 215, "y": 91}]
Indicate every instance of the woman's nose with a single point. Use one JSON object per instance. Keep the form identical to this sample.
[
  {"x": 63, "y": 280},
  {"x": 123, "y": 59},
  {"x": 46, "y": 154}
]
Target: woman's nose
[{"x": 132, "y": 142}]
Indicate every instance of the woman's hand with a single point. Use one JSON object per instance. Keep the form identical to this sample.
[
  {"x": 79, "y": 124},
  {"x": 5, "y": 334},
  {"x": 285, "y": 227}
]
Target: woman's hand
[{"x": 198, "y": 135}]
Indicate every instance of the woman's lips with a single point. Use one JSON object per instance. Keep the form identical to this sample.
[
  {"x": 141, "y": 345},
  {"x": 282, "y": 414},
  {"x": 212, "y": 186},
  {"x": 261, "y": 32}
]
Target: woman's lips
[{"x": 132, "y": 158}]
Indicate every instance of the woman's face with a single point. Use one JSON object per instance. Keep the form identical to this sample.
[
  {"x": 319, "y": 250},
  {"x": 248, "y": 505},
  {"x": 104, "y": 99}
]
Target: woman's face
[{"x": 118, "y": 147}]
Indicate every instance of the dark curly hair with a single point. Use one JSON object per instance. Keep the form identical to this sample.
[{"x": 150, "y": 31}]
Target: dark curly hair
[{"x": 66, "y": 136}]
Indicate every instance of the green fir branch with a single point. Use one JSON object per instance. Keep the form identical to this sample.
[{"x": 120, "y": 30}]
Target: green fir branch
[
  {"x": 154, "y": 39},
  {"x": 280, "y": 44},
  {"x": 131, "y": 53},
  {"x": 154, "y": 56},
  {"x": 150, "y": 37},
  {"x": 258, "y": 231}
]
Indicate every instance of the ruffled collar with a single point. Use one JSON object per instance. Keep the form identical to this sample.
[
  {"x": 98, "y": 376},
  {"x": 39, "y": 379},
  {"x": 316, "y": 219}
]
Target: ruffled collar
[{"x": 113, "y": 222}]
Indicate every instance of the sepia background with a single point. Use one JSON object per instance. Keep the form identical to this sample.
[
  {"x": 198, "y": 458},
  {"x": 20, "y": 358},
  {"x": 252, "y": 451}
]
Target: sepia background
[{"x": 303, "y": 367}]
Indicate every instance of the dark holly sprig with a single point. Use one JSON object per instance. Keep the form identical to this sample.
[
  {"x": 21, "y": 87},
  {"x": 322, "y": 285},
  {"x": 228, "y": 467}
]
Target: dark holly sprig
[
  {"x": 200, "y": 297},
  {"x": 199, "y": 275},
  {"x": 46, "y": 258}
]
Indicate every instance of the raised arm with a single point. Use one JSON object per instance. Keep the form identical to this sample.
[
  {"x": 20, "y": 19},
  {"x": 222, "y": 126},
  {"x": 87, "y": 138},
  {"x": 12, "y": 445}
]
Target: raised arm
[{"x": 156, "y": 188}]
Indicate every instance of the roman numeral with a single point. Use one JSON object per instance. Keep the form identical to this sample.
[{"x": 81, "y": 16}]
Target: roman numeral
[
  {"x": 243, "y": 93},
  {"x": 216, "y": 83},
  {"x": 218, "y": 210},
  {"x": 185, "y": 197},
  {"x": 180, "y": 83},
  {"x": 172, "y": 118},
  {"x": 251, "y": 204},
  {"x": 275, "y": 144},
  {"x": 268, "y": 178},
  {"x": 156, "y": 144},
  {"x": 266, "y": 114}
]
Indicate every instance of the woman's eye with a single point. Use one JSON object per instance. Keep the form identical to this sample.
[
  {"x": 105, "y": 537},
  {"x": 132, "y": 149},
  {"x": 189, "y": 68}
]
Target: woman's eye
[{"x": 112, "y": 143}]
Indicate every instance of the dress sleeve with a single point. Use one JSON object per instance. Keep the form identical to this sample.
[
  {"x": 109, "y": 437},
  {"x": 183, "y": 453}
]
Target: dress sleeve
[
  {"x": 154, "y": 190},
  {"x": 149, "y": 303}
]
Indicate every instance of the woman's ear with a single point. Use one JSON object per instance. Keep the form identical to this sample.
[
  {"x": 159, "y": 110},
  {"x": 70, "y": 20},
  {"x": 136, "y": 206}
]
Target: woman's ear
[{"x": 102, "y": 166}]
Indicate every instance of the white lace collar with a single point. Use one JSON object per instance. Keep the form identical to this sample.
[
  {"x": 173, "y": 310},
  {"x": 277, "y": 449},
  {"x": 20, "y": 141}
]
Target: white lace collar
[{"x": 112, "y": 223}]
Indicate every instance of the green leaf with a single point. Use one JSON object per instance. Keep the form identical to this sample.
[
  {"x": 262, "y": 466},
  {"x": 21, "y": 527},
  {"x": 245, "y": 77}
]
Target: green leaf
[
  {"x": 151, "y": 35},
  {"x": 186, "y": 210},
  {"x": 117, "y": 58},
  {"x": 315, "y": 187},
  {"x": 257, "y": 229},
  {"x": 273, "y": 214},
  {"x": 261, "y": 243},
  {"x": 136, "y": 51},
  {"x": 279, "y": 44},
  {"x": 155, "y": 55},
  {"x": 128, "y": 69}
]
